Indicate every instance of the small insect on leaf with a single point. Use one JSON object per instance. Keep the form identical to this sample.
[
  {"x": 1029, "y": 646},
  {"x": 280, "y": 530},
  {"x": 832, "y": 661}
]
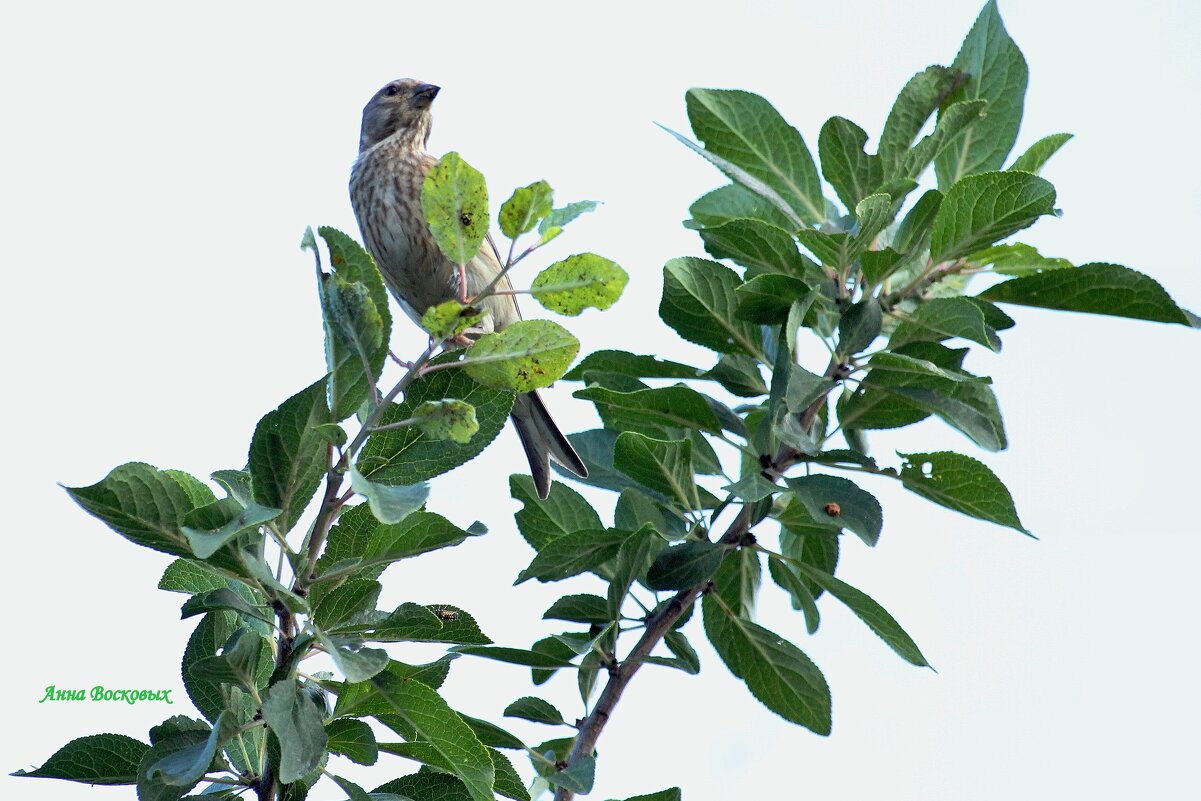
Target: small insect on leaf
[
  {"x": 446, "y": 615},
  {"x": 833, "y": 509}
]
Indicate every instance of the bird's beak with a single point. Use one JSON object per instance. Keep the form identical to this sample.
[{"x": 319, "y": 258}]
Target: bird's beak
[{"x": 424, "y": 95}]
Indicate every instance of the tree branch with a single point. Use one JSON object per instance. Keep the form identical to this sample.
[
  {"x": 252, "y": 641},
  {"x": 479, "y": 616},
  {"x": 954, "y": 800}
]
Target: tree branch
[{"x": 657, "y": 625}]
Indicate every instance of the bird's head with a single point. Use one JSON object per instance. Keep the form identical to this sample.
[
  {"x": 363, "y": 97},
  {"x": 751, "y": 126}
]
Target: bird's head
[{"x": 400, "y": 108}]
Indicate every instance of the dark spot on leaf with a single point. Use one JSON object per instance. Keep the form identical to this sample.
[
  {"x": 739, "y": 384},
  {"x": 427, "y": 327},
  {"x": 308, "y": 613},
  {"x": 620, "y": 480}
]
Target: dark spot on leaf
[
  {"x": 833, "y": 509},
  {"x": 465, "y": 219}
]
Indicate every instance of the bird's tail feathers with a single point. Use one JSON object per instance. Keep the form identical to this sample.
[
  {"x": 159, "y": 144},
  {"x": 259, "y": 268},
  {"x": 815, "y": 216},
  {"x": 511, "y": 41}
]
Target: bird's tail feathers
[{"x": 542, "y": 439}]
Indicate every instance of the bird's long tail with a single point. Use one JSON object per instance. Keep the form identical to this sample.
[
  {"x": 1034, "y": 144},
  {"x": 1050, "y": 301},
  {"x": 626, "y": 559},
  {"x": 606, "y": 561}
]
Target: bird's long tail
[{"x": 542, "y": 439}]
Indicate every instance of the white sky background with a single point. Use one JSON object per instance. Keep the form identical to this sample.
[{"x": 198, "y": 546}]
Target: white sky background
[{"x": 159, "y": 166}]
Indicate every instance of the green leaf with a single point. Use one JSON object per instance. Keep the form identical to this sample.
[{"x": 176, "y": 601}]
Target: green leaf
[
  {"x": 635, "y": 509},
  {"x": 210, "y": 634},
  {"x": 756, "y": 245},
  {"x": 996, "y": 72},
  {"x": 445, "y": 732},
  {"x": 236, "y": 483},
  {"x": 578, "y": 282},
  {"x": 961, "y": 483},
  {"x": 737, "y": 582},
  {"x": 352, "y": 739},
  {"x": 851, "y": 171},
  {"x": 836, "y": 251},
  {"x": 1037, "y": 155},
  {"x": 633, "y": 560},
  {"x": 685, "y": 565},
  {"x": 454, "y": 200},
  {"x": 776, "y": 672},
  {"x": 911, "y": 365},
  {"x": 957, "y": 119},
  {"x": 1016, "y": 259},
  {"x": 408, "y": 455},
  {"x": 356, "y": 662},
  {"x": 676, "y": 406},
  {"x": 595, "y": 448},
  {"x": 662, "y": 465},
  {"x": 877, "y": 265},
  {"x": 424, "y": 786},
  {"x": 447, "y": 419},
  {"x": 735, "y": 202},
  {"x": 535, "y": 709},
  {"x": 141, "y": 503},
  {"x": 577, "y": 777},
  {"x": 185, "y": 575},
  {"x": 508, "y": 783},
  {"x": 746, "y": 130},
  {"x": 699, "y": 303},
  {"x": 449, "y": 319},
  {"x": 671, "y": 794},
  {"x": 95, "y": 759},
  {"x": 156, "y": 789},
  {"x": 1095, "y": 288},
  {"x": 875, "y": 616},
  {"x": 801, "y": 538},
  {"x": 969, "y": 406},
  {"x": 391, "y": 504},
  {"x": 288, "y": 455},
  {"x": 222, "y": 598},
  {"x": 524, "y": 356},
  {"x": 242, "y": 661},
  {"x": 874, "y": 213},
  {"x": 752, "y": 487},
  {"x": 522, "y": 211},
  {"x": 619, "y": 361},
  {"x": 802, "y": 597},
  {"x": 945, "y": 318},
  {"x": 433, "y": 623},
  {"x": 767, "y": 299},
  {"x": 982, "y": 209},
  {"x": 353, "y": 791},
  {"x": 562, "y": 512},
  {"x": 296, "y": 722},
  {"x": 515, "y": 656},
  {"x": 492, "y": 735},
  {"x": 363, "y": 699},
  {"x": 418, "y": 533},
  {"x": 210, "y": 527},
  {"x": 346, "y": 602},
  {"x": 839, "y": 503},
  {"x": 685, "y": 656},
  {"x": 739, "y": 375},
  {"x": 354, "y": 331},
  {"x": 574, "y": 553},
  {"x": 859, "y": 326},
  {"x": 186, "y": 766},
  {"x": 580, "y": 608},
  {"x": 917, "y": 101},
  {"x": 348, "y": 381},
  {"x": 913, "y": 233},
  {"x": 552, "y": 225}
]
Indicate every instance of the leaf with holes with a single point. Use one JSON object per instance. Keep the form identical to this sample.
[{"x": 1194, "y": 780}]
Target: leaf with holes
[
  {"x": 524, "y": 356},
  {"x": 578, "y": 282},
  {"x": 454, "y": 199}
]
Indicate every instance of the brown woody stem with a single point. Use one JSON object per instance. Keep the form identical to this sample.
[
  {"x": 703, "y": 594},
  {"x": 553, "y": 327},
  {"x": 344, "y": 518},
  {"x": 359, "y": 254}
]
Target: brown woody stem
[{"x": 657, "y": 625}]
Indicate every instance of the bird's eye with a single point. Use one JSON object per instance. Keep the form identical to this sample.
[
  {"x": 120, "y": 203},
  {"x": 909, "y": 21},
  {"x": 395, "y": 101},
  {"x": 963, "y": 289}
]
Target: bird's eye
[{"x": 390, "y": 90}]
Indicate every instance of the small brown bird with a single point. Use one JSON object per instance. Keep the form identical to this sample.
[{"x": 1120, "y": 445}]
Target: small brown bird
[{"x": 385, "y": 191}]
